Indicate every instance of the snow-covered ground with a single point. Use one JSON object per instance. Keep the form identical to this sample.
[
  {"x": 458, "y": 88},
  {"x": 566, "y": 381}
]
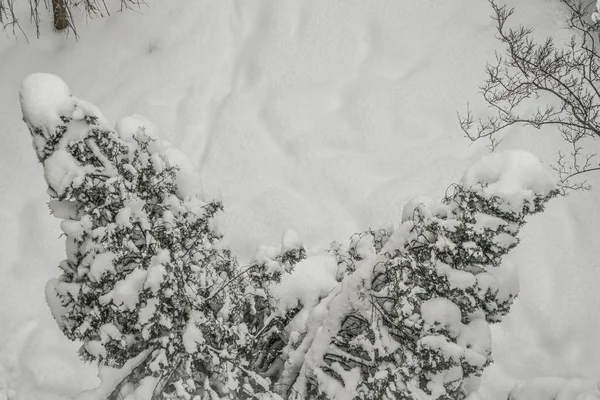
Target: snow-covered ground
[{"x": 321, "y": 116}]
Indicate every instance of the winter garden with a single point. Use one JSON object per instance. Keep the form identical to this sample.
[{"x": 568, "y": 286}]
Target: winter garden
[{"x": 298, "y": 220}]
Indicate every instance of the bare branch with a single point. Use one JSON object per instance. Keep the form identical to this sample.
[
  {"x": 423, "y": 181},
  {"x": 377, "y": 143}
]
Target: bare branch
[{"x": 527, "y": 70}]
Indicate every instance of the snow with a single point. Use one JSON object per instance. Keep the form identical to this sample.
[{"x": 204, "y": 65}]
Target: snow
[
  {"x": 102, "y": 263},
  {"x": 144, "y": 390},
  {"x": 438, "y": 342},
  {"x": 188, "y": 180},
  {"x": 73, "y": 229},
  {"x": 63, "y": 209},
  {"x": 476, "y": 336},
  {"x": 596, "y": 14},
  {"x": 193, "y": 335},
  {"x": 60, "y": 170},
  {"x": 442, "y": 312},
  {"x": 512, "y": 175},
  {"x": 291, "y": 240},
  {"x": 457, "y": 278},
  {"x": 129, "y": 126},
  {"x": 310, "y": 281},
  {"x": 557, "y": 388},
  {"x": 109, "y": 331},
  {"x": 123, "y": 217},
  {"x": 127, "y": 291},
  {"x": 155, "y": 276},
  {"x": 43, "y": 98},
  {"x": 147, "y": 311},
  {"x": 323, "y": 117},
  {"x": 423, "y": 204}
]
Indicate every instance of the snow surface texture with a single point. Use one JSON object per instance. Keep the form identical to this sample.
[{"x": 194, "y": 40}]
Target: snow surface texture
[
  {"x": 451, "y": 324},
  {"x": 351, "y": 107}
]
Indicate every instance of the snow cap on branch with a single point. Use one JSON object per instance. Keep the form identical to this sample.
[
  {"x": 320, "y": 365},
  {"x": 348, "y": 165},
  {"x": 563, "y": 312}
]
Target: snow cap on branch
[
  {"x": 515, "y": 176},
  {"x": 46, "y": 101}
]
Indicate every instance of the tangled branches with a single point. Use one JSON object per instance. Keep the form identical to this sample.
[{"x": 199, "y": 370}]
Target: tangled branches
[{"x": 565, "y": 78}]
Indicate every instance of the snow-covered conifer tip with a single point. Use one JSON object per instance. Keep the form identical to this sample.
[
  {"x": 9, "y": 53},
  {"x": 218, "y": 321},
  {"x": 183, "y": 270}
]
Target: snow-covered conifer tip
[
  {"x": 47, "y": 105},
  {"x": 517, "y": 177}
]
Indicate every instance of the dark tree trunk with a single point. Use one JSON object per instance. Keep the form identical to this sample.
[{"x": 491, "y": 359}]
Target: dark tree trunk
[{"x": 59, "y": 9}]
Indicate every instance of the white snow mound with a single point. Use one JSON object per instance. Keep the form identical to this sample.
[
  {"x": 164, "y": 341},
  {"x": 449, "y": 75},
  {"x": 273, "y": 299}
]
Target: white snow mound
[
  {"x": 514, "y": 176},
  {"x": 42, "y": 98},
  {"x": 311, "y": 280}
]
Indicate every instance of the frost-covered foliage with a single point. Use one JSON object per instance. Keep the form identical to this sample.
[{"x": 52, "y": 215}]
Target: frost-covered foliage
[{"x": 398, "y": 313}]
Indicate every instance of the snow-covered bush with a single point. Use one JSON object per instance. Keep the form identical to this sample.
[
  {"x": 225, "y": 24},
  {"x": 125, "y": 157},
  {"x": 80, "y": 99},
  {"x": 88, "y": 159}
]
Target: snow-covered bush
[
  {"x": 410, "y": 320},
  {"x": 398, "y": 313},
  {"x": 145, "y": 275}
]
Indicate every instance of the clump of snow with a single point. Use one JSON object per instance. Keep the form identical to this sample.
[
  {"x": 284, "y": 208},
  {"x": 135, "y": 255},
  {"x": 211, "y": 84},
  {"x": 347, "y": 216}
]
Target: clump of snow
[
  {"x": 504, "y": 280},
  {"x": 188, "y": 180},
  {"x": 311, "y": 280},
  {"x": 156, "y": 271},
  {"x": 449, "y": 349},
  {"x": 442, "y": 312},
  {"x": 596, "y": 14},
  {"x": 102, "y": 263},
  {"x": 61, "y": 169},
  {"x": 128, "y": 127},
  {"x": 556, "y": 388},
  {"x": 44, "y": 97},
  {"x": 290, "y": 241},
  {"x": 123, "y": 217},
  {"x": 515, "y": 176},
  {"x": 193, "y": 335},
  {"x": 126, "y": 292},
  {"x": 72, "y": 228},
  {"x": 53, "y": 301},
  {"x": 63, "y": 209},
  {"x": 422, "y": 204},
  {"x": 483, "y": 221},
  {"x": 111, "y": 377},
  {"x": 147, "y": 311},
  {"x": 476, "y": 340},
  {"x": 145, "y": 390},
  {"x": 95, "y": 348},
  {"x": 109, "y": 331},
  {"x": 457, "y": 278}
]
